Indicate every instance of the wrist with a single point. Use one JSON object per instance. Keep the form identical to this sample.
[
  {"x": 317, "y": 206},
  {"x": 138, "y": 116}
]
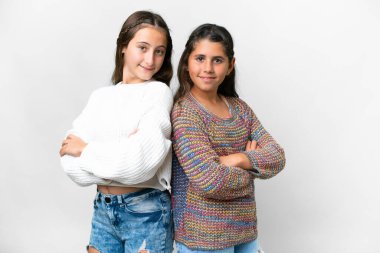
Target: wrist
[
  {"x": 80, "y": 151},
  {"x": 244, "y": 161}
]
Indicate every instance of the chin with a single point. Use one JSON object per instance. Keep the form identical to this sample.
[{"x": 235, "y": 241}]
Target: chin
[
  {"x": 207, "y": 88},
  {"x": 146, "y": 77}
]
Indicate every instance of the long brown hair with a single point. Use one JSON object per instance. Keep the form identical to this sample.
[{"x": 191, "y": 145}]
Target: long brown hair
[
  {"x": 213, "y": 33},
  {"x": 131, "y": 26}
]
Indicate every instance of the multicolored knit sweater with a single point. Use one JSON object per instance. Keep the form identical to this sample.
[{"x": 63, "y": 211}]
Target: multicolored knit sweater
[{"x": 214, "y": 205}]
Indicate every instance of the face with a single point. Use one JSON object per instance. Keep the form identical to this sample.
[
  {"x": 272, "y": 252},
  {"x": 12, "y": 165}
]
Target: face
[
  {"x": 208, "y": 65},
  {"x": 144, "y": 55}
]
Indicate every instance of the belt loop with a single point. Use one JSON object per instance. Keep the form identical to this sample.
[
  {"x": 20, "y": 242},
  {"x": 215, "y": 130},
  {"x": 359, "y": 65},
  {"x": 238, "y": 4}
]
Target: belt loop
[
  {"x": 119, "y": 199},
  {"x": 97, "y": 197}
]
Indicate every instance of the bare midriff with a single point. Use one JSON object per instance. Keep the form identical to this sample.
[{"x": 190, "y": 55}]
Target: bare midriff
[{"x": 117, "y": 190}]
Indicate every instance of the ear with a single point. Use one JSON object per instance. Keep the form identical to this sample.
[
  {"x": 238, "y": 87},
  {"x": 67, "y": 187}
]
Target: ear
[{"x": 231, "y": 67}]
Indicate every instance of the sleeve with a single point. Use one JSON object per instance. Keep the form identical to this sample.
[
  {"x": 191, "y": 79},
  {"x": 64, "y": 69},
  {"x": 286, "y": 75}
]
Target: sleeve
[
  {"x": 82, "y": 128},
  {"x": 79, "y": 176},
  {"x": 135, "y": 159},
  {"x": 269, "y": 160},
  {"x": 201, "y": 163}
]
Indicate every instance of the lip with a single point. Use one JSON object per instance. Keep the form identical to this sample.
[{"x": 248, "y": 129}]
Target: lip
[
  {"x": 147, "y": 68},
  {"x": 207, "y": 78}
]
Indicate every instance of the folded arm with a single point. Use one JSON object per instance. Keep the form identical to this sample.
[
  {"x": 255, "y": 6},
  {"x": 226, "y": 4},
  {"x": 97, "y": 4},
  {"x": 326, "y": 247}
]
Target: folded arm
[
  {"x": 81, "y": 129},
  {"x": 136, "y": 158},
  {"x": 269, "y": 159},
  {"x": 201, "y": 163}
]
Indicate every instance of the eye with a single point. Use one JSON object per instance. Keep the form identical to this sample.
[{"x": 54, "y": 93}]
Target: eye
[
  {"x": 200, "y": 58},
  {"x": 160, "y": 52},
  {"x": 142, "y": 48},
  {"x": 218, "y": 60}
]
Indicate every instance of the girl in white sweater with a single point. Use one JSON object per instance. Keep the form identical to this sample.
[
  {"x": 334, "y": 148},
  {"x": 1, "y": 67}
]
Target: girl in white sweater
[{"x": 121, "y": 143}]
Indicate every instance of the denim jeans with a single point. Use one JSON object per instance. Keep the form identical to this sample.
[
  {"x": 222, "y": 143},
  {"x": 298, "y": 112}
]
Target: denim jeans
[
  {"x": 249, "y": 247},
  {"x": 132, "y": 222}
]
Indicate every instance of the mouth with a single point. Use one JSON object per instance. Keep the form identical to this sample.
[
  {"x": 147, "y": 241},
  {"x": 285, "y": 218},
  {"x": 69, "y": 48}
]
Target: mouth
[
  {"x": 147, "y": 68},
  {"x": 207, "y": 78}
]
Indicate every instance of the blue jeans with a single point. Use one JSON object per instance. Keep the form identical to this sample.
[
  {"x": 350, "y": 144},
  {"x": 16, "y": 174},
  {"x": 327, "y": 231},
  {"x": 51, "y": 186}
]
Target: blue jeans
[
  {"x": 249, "y": 247},
  {"x": 133, "y": 221}
]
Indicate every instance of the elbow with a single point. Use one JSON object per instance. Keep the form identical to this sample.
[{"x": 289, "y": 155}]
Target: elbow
[
  {"x": 282, "y": 159},
  {"x": 80, "y": 182},
  {"x": 274, "y": 167},
  {"x": 70, "y": 165},
  {"x": 140, "y": 170},
  {"x": 151, "y": 163},
  {"x": 77, "y": 178}
]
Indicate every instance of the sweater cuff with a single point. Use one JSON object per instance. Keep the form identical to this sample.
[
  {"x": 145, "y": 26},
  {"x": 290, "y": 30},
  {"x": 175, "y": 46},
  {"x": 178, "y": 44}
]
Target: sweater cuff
[{"x": 253, "y": 161}]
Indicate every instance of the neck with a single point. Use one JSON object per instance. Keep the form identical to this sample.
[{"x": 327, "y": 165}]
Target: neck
[
  {"x": 209, "y": 97},
  {"x": 128, "y": 79}
]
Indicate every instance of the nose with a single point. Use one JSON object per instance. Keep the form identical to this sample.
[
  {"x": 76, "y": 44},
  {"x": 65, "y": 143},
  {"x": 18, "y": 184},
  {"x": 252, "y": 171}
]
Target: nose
[
  {"x": 149, "y": 59},
  {"x": 208, "y": 67}
]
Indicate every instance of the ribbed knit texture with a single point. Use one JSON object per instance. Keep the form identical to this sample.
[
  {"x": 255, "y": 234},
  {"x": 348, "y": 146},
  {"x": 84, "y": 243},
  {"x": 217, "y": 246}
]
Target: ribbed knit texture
[
  {"x": 112, "y": 157},
  {"x": 214, "y": 205}
]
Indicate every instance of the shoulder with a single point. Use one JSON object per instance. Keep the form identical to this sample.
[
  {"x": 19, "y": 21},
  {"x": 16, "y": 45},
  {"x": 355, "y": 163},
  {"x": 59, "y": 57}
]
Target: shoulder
[
  {"x": 241, "y": 108},
  {"x": 102, "y": 92},
  {"x": 157, "y": 86},
  {"x": 184, "y": 104},
  {"x": 159, "y": 93},
  {"x": 238, "y": 104},
  {"x": 99, "y": 95},
  {"x": 186, "y": 108}
]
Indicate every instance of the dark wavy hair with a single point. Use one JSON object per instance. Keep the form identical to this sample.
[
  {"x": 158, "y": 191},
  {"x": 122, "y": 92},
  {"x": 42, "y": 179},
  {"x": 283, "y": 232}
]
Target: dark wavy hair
[
  {"x": 135, "y": 22},
  {"x": 213, "y": 33}
]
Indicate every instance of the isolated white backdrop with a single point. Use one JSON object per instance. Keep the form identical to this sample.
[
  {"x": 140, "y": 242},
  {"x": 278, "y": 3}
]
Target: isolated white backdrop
[{"x": 310, "y": 70}]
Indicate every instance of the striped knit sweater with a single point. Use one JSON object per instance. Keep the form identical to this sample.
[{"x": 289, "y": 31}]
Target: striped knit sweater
[{"x": 214, "y": 205}]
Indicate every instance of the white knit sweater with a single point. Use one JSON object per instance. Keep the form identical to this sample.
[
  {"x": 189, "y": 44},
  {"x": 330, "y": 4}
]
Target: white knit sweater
[{"x": 112, "y": 157}]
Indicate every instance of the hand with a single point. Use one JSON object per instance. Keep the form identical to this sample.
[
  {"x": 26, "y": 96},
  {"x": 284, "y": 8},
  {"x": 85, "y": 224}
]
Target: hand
[
  {"x": 239, "y": 159},
  {"x": 252, "y": 145},
  {"x": 234, "y": 160},
  {"x": 72, "y": 145}
]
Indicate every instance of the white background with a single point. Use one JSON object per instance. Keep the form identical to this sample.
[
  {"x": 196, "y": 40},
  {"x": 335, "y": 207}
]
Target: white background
[{"x": 309, "y": 69}]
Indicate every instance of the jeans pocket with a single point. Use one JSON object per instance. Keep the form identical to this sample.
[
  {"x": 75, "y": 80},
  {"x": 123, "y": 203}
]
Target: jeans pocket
[{"x": 144, "y": 204}]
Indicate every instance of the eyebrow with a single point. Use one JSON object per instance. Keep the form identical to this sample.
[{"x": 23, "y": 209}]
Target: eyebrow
[
  {"x": 213, "y": 57},
  {"x": 146, "y": 43}
]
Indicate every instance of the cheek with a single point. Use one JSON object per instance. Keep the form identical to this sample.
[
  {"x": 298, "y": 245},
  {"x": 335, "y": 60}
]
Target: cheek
[
  {"x": 222, "y": 71},
  {"x": 125, "y": 61},
  {"x": 193, "y": 69},
  {"x": 192, "y": 73},
  {"x": 131, "y": 56},
  {"x": 160, "y": 61}
]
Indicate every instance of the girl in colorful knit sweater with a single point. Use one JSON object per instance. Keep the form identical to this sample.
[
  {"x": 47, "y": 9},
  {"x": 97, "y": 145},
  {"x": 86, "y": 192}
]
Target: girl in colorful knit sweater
[
  {"x": 220, "y": 148},
  {"x": 121, "y": 142}
]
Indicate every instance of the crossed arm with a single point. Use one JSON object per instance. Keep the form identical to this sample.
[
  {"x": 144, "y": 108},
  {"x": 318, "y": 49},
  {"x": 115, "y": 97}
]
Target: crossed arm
[{"x": 129, "y": 160}]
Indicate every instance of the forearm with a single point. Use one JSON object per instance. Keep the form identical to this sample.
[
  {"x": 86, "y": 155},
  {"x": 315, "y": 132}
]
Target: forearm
[
  {"x": 128, "y": 162},
  {"x": 267, "y": 162},
  {"x": 71, "y": 167},
  {"x": 236, "y": 160},
  {"x": 214, "y": 180}
]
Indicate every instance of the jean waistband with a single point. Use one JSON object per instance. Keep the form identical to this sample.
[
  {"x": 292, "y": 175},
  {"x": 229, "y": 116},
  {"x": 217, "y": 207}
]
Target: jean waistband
[{"x": 123, "y": 198}]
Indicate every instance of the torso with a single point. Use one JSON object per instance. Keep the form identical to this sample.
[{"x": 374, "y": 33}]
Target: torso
[
  {"x": 117, "y": 190},
  {"x": 219, "y": 108}
]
